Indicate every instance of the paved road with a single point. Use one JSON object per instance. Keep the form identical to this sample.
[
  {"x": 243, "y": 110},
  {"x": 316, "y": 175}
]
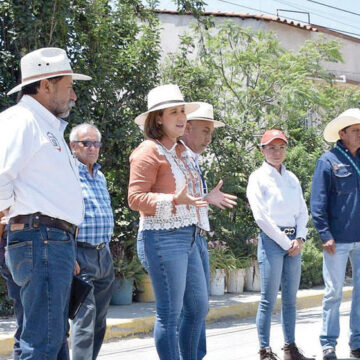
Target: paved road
[{"x": 237, "y": 339}]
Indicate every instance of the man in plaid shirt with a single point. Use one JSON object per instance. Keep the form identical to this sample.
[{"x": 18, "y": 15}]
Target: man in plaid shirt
[{"x": 94, "y": 261}]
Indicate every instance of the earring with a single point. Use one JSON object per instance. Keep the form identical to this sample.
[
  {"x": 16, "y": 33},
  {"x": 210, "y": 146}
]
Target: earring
[{"x": 159, "y": 123}]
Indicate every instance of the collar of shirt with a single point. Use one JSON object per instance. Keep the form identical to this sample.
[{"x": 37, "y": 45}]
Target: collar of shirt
[
  {"x": 44, "y": 113},
  {"x": 83, "y": 169},
  {"x": 193, "y": 154},
  {"x": 269, "y": 169}
]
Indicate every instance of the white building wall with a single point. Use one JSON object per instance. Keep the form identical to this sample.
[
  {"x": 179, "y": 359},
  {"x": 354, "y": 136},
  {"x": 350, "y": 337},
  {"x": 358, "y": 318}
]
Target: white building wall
[{"x": 290, "y": 37}]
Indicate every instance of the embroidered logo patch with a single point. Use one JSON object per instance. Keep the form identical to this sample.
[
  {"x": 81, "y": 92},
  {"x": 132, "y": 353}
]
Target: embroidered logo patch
[{"x": 54, "y": 141}]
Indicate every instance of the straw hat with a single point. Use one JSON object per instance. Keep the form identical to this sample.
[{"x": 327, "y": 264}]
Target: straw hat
[
  {"x": 270, "y": 135},
  {"x": 347, "y": 118},
  {"x": 43, "y": 64},
  {"x": 162, "y": 97},
  {"x": 205, "y": 112}
]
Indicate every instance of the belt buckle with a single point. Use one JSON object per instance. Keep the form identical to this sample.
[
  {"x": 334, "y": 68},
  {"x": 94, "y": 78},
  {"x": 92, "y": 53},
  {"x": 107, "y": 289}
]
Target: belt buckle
[
  {"x": 289, "y": 231},
  {"x": 99, "y": 246}
]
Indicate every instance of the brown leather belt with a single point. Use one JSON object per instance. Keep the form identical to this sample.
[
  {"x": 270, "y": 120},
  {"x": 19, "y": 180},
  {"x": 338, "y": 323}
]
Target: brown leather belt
[
  {"x": 87, "y": 245},
  {"x": 37, "y": 219}
]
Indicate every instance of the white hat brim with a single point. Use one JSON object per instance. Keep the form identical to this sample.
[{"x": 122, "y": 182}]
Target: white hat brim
[
  {"x": 74, "y": 76},
  {"x": 216, "y": 123},
  {"x": 189, "y": 108},
  {"x": 331, "y": 131}
]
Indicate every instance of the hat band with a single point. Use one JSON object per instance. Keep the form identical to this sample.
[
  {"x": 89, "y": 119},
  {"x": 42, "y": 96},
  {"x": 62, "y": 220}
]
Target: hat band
[
  {"x": 62, "y": 72},
  {"x": 201, "y": 118},
  {"x": 165, "y": 102}
]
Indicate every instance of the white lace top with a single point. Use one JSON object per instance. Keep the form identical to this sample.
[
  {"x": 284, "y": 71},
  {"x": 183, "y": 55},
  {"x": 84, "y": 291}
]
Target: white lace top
[{"x": 156, "y": 174}]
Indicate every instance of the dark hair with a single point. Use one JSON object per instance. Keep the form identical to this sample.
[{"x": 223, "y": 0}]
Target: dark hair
[
  {"x": 32, "y": 89},
  {"x": 152, "y": 129},
  {"x": 345, "y": 128}
]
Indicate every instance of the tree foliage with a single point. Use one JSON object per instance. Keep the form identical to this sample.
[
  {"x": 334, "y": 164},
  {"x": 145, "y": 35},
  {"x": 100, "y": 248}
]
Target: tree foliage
[{"x": 256, "y": 84}]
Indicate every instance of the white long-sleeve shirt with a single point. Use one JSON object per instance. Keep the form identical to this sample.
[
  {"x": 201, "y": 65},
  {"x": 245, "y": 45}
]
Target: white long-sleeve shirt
[
  {"x": 37, "y": 170},
  {"x": 277, "y": 200}
]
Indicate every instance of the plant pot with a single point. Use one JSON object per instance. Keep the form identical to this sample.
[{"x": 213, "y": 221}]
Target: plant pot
[
  {"x": 145, "y": 291},
  {"x": 252, "y": 277},
  {"x": 217, "y": 282},
  {"x": 235, "y": 281},
  {"x": 122, "y": 291}
]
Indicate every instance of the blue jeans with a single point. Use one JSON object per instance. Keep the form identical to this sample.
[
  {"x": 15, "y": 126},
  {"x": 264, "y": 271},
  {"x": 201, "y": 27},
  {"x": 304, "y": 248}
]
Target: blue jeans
[
  {"x": 277, "y": 268},
  {"x": 89, "y": 326},
  {"x": 334, "y": 267},
  {"x": 41, "y": 261},
  {"x": 14, "y": 295},
  {"x": 179, "y": 282}
]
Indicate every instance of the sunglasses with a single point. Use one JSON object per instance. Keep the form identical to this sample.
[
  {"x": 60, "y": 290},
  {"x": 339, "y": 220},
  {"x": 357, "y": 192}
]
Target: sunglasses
[{"x": 88, "y": 143}]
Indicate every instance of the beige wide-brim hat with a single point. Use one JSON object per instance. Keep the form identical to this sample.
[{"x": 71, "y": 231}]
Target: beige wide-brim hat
[
  {"x": 205, "y": 112},
  {"x": 45, "y": 63},
  {"x": 162, "y": 97},
  {"x": 345, "y": 119}
]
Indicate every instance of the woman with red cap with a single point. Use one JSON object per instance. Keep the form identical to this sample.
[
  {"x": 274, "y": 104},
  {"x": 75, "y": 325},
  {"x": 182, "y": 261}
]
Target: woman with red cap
[{"x": 279, "y": 209}]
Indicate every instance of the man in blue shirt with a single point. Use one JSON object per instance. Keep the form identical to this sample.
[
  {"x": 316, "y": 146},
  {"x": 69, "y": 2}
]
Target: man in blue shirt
[
  {"x": 335, "y": 207},
  {"x": 94, "y": 261}
]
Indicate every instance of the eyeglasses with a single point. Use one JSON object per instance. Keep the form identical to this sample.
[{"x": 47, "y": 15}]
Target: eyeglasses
[{"x": 88, "y": 143}]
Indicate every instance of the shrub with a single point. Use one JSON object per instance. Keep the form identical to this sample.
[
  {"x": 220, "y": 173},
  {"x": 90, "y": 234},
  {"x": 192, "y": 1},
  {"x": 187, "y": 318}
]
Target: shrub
[{"x": 311, "y": 273}]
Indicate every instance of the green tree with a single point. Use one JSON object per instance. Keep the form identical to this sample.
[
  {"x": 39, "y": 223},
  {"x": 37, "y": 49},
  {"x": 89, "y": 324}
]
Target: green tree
[{"x": 256, "y": 84}]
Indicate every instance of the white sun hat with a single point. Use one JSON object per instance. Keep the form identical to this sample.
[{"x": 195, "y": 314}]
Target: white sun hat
[
  {"x": 345, "y": 119},
  {"x": 205, "y": 112},
  {"x": 162, "y": 97},
  {"x": 45, "y": 63}
]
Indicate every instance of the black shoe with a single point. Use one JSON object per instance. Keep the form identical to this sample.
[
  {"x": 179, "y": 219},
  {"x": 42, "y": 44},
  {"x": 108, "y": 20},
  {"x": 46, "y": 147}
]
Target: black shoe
[
  {"x": 329, "y": 354},
  {"x": 355, "y": 353},
  {"x": 267, "y": 354},
  {"x": 292, "y": 352}
]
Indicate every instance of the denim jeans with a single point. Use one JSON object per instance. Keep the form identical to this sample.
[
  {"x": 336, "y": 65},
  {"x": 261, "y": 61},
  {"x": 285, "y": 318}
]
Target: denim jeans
[
  {"x": 277, "y": 268},
  {"x": 41, "y": 261},
  {"x": 89, "y": 326},
  {"x": 14, "y": 295},
  {"x": 176, "y": 271},
  {"x": 334, "y": 267}
]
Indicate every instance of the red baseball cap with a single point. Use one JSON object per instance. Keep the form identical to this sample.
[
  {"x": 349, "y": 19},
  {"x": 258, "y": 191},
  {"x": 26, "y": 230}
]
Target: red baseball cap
[{"x": 270, "y": 135}]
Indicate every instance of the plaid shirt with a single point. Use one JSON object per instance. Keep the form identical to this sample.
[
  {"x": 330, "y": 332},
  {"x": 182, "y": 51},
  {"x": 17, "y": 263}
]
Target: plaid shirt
[{"x": 98, "y": 224}]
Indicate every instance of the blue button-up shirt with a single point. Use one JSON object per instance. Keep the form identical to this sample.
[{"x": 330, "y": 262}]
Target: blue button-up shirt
[
  {"x": 335, "y": 197},
  {"x": 98, "y": 224}
]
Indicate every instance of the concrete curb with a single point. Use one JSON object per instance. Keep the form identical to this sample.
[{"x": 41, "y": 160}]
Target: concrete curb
[{"x": 120, "y": 328}]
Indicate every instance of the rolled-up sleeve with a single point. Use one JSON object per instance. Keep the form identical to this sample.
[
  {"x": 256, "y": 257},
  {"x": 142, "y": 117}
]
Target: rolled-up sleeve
[{"x": 320, "y": 193}]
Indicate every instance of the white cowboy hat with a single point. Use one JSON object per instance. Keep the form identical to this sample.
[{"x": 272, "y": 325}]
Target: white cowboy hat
[
  {"x": 43, "y": 64},
  {"x": 162, "y": 97},
  {"x": 204, "y": 112},
  {"x": 347, "y": 118}
]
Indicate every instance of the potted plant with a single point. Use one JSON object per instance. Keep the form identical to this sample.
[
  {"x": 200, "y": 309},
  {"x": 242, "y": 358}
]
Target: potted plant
[
  {"x": 127, "y": 269},
  {"x": 222, "y": 260},
  {"x": 235, "y": 278}
]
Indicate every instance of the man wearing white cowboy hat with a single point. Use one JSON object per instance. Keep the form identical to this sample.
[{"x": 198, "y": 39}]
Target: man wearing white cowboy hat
[
  {"x": 197, "y": 137},
  {"x": 41, "y": 197},
  {"x": 335, "y": 207}
]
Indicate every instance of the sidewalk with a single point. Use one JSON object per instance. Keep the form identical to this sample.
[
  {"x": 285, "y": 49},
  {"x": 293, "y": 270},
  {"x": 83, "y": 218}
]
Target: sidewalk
[{"x": 138, "y": 318}]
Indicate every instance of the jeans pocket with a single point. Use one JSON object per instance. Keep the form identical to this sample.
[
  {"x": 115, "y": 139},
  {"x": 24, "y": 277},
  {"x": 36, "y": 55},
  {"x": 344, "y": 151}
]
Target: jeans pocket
[
  {"x": 19, "y": 259},
  {"x": 57, "y": 235}
]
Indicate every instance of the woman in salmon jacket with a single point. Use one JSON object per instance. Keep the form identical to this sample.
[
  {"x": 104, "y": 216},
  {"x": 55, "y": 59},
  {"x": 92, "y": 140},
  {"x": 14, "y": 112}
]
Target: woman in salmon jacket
[{"x": 166, "y": 189}]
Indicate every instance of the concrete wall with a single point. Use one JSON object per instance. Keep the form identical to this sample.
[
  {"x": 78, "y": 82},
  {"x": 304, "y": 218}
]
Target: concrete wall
[{"x": 290, "y": 37}]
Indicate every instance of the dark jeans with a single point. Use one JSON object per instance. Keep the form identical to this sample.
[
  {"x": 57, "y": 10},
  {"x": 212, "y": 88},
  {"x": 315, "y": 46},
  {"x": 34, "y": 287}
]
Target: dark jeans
[
  {"x": 89, "y": 326},
  {"x": 41, "y": 261},
  {"x": 14, "y": 295}
]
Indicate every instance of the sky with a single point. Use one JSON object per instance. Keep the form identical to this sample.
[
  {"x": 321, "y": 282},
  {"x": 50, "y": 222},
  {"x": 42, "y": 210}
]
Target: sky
[{"x": 347, "y": 21}]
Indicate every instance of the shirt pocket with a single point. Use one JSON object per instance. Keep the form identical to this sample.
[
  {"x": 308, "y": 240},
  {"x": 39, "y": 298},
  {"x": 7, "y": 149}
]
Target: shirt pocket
[{"x": 345, "y": 178}]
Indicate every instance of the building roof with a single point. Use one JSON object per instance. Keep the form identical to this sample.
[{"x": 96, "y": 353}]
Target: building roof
[{"x": 270, "y": 18}]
